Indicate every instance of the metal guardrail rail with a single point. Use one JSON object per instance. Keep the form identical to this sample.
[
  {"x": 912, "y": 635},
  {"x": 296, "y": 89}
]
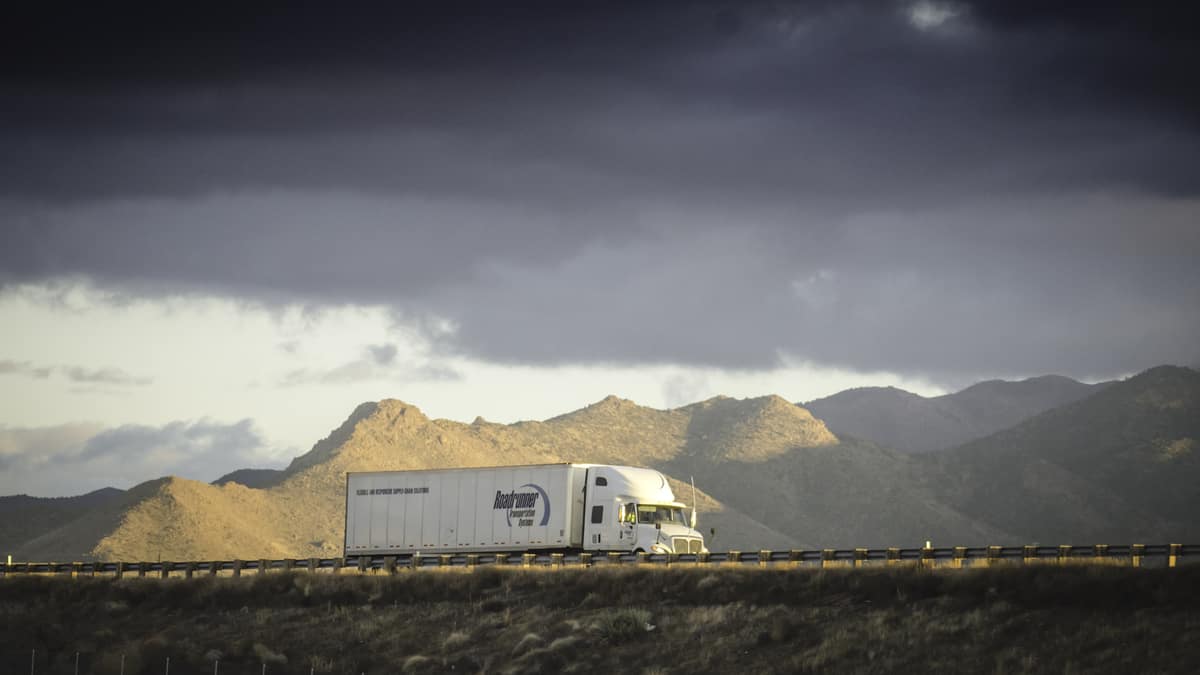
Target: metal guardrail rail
[{"x": 955, "y": 556}]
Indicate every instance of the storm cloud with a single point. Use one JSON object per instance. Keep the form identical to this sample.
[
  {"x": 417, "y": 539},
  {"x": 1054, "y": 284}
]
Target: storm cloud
[
  {"x": 78, "y": 374},
  {"x": 76, "y": 458},
  {"x": 948, "y": 190}
]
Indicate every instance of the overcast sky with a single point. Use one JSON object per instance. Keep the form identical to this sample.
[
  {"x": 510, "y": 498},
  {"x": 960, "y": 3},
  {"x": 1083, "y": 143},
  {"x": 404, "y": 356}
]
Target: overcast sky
[{"x": 221, "y": 231}]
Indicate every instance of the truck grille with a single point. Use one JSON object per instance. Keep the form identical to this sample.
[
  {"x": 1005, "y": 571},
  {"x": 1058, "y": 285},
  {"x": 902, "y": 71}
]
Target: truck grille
[{"x": 686, "y": 545}]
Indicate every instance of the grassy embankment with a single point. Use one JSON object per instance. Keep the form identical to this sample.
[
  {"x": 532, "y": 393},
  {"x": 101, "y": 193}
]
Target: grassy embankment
[{"x": 1021, "y": 619}]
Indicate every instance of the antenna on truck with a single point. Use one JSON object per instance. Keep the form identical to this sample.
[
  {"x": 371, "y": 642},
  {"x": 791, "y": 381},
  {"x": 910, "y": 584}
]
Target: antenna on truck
[{"x": 693, "y": 479}]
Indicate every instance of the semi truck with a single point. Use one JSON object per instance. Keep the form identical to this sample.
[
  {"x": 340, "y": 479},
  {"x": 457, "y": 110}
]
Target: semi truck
[{"x": 536, "y": 508}]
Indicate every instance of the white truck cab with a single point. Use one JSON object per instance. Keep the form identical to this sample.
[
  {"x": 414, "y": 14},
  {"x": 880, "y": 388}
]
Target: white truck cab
[{"x": 633, "y": 509}]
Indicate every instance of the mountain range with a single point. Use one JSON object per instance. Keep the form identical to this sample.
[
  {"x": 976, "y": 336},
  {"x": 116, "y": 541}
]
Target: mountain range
[
  {"x": 1076, "y": 463},
  {"x": 912, "y": 423}
]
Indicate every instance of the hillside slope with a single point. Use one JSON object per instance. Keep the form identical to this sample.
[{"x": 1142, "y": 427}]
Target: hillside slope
[
  {"x": 911, "y": 423},
  {"x": 24, "y": 518},
  {"x": 1122, "y": 464}
]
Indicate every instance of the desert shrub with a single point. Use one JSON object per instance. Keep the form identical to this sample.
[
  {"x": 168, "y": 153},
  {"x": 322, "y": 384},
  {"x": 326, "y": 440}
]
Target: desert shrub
[
  {"x": 266, "y": 655},
  {"x": 263, "y": 616},
  {"x": 526, "y": 643},
  {"x": 622, "y": 625},
  {"x": 565, "y": 643},
  {"x": 109, "y": 663},
  {"x": 493, "y": 605},
  {"x": 419, "y": 664},
  {"x": 155, "y": 650},
  {"x": 455, "y": 641},
  {"x": 320, "y": 664}
]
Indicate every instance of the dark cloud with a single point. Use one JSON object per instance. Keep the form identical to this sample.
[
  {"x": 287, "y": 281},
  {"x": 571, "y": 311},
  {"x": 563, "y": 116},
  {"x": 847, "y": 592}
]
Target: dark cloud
[
  {"x": 76, "y": 458},
  {"x": 1008, "y": 192},
  {"x": 10, "y": 367},
  {"x": 182, "y": 440},
  {"x": 383, "y": 354},
  {"x": 114, "y": 376},
  {"x": 109, "y": 376},
  {"x": 377, "y": 362}
]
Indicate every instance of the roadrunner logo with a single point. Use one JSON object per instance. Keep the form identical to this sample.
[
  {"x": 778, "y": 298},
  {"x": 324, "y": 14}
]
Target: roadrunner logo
[{"x": 523, "y": 506}]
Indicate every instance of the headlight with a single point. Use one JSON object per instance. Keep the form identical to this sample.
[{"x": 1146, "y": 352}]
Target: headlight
[{"x": 659, "y": 548}]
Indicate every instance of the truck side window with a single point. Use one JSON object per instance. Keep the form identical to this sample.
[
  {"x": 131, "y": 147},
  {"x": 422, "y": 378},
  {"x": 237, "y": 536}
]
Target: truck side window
[
  {"x": 601, "y": 481},
  {"x": 630, "y": 513},
  {"x": 597, "y": 514}
]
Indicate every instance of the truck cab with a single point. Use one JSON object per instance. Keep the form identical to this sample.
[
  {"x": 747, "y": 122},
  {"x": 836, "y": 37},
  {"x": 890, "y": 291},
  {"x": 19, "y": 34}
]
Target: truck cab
[{"x": 633, "y": 509}]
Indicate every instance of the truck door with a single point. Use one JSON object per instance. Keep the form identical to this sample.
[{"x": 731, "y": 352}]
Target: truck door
[
  {"x": 600, "y": 527},
  {"x": 627, "y": 517}
]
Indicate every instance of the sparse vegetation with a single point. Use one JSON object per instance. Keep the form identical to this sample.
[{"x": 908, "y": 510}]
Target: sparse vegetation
[{"x": 1006, "y": 619}]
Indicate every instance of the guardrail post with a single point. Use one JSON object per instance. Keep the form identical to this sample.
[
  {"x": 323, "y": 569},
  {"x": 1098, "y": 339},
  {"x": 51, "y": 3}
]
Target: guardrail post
[
  {"x": 263, "y": 566},
  {"x": 702, "y": 558},
  {"x": 860, "y": 556},
  {"x": 527, "y": 559},
  {"x": 614, "y": 558},
  {"x": 1064, "y": 553},
  {"x": 289, "y": 564},
  {"x": 764, "y": 557},
  {"x": 165, "y": 572},
  {"x": 445, "y": 560},
  {"x": 314, "y": 564},
  {"x": 828, "y": 555},
  {"x": 472, "y": 560},
  {"x": 993, "y": 555},
  {"x": 1100, "y": 551},
  {"x": 1136, "y": 552},
  {"x": 927, "y": 559},
  {"x": 960, "y": 554},
  {"x": 556, "y": 560},
  {"x": 893, "y": 556},
  {"x": 237, "y": 568},
  {"x": 389, "y": 564},
  {"x": 1173, "y": 553},
  {"x": 1028, "y": 553},
  {"x": 585, "y": 559}
]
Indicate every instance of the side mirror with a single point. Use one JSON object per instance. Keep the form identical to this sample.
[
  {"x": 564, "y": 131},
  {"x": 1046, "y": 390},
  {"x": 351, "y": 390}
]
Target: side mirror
[{"x": 712, "y": 531}]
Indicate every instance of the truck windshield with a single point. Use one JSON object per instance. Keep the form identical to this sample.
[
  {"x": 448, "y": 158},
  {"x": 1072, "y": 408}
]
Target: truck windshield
[{"x": 650, "y": 513}]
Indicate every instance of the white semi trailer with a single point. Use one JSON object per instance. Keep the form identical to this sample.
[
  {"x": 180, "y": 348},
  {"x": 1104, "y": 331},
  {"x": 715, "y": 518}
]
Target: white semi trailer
[{"x": 545, "y": 507}]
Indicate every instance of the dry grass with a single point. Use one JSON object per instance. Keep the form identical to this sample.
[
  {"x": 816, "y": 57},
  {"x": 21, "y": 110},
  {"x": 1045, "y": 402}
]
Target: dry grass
[{"x": 1044, "y": 619}]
